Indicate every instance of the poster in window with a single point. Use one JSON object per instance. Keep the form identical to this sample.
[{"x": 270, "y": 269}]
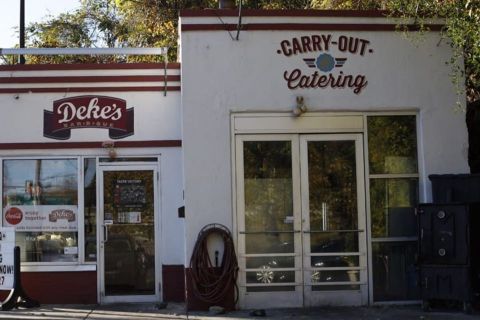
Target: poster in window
[
  {"x": 41, "y": 218},
  {"x": 130, "y": 193}
]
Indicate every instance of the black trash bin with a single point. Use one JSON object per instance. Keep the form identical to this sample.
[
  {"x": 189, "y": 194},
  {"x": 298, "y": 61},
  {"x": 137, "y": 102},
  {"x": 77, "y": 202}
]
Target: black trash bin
[{"x": 455, "y": 188}]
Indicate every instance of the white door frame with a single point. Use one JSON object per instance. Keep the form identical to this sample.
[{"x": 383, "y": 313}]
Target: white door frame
[{"x": 125, "y": 166}]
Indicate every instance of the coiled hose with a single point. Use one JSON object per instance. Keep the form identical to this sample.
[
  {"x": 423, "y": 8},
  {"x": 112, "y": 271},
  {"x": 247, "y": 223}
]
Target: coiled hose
[{"x": 212, "y": 284}]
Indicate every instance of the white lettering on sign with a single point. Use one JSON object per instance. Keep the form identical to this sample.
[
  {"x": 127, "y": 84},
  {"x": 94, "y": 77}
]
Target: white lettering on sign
[{"x": 91, "y": 112}]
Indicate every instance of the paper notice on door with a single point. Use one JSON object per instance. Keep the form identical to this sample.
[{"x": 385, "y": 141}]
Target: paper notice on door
[
  {"x": 70, "y": 250},
  {"x": 288, "y": 219},
  {"x": 130, "y": 217}
]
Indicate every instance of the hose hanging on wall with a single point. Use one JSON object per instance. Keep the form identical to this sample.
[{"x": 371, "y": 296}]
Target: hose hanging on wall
[{"x": 212, "y": 284}]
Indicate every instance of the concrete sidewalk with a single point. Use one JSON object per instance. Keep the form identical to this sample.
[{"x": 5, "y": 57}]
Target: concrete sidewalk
[{"x": 177, "y": 311}]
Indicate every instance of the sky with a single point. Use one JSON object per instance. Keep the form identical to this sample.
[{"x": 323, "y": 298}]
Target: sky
[{"x": 35, "y": 11}]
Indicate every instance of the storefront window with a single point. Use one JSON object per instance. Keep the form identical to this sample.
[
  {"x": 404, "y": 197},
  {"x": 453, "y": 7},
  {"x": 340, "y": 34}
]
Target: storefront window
[
  {"x": 90, "y": 208},
  {"x": 40, "y": 200},
  {"x": 393, "y": 181}
]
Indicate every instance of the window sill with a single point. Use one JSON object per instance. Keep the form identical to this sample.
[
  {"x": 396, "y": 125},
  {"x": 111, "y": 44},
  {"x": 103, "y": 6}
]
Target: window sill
[{"x": 57, "y": 268}]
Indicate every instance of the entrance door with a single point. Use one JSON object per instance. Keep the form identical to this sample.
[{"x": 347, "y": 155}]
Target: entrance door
[
  {"x": 301, "y": 220},
  {"x": 333, "y": 218},
  {"x": 127, "y": 234}
]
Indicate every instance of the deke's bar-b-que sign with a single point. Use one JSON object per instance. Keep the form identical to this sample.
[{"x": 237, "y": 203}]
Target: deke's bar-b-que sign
[
  {"x": 88, "y": 112},
  {"x": 318, "y": 48}
]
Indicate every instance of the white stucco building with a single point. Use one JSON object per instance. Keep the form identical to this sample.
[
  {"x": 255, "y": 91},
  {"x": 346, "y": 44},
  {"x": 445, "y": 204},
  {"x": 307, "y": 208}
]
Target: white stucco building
[{"x": 309, "y": 134}]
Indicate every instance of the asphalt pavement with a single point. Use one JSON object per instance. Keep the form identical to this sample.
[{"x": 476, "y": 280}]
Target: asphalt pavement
[{"x": 177, "y": 311}]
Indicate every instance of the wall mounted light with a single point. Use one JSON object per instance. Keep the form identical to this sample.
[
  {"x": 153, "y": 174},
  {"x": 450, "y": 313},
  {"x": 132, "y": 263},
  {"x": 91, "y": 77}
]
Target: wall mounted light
[
  {"x": 300, "y": 108},
  {"x": 110, "y": 147}
]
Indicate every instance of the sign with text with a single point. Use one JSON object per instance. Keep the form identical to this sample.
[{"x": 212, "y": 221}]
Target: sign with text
[
  {"x": 329, "y": 56},
  {"x": 41, "y": 218},
  {"x": 88, "y": 112},
  {"x": 7, "y": 244}
]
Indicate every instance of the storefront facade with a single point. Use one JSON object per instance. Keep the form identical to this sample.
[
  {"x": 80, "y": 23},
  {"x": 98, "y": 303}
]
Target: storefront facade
[
  {"x": 92, "y": 180},
  {"x": 310, "y": 135},
  {"x": 316, "y": 132}
]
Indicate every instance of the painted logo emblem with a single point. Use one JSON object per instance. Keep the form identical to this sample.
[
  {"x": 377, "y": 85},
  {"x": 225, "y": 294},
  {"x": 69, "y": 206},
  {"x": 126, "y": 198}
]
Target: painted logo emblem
[
  {"x": 325, "y": 62},
  {"x": 65, "y": 214},
  {"x": 14, "y": 216}
]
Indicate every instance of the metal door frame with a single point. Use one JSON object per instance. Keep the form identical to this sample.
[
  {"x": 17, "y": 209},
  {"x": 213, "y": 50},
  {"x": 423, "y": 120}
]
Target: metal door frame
[
  {"x": 300, "y": 209},
  {"x": 337, "y": 297},
  {"x": 126, "y": 166}
]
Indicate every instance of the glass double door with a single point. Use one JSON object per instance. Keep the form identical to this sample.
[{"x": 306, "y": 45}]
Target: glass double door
[
  {"x": 301, "y": 220},
  {"x": 127, "y": 261}
]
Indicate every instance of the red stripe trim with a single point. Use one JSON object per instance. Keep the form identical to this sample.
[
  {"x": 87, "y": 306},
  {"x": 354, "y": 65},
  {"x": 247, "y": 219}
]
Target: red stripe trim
[
  {"x": 282, "y": 13},
  {"x": 89, "y": 89},
  {"x": 90, "y": 145},
  {"x": 147, "y": 78},
  {"x": 88, "y": 66},
  {"x": 302, "y": 27}
]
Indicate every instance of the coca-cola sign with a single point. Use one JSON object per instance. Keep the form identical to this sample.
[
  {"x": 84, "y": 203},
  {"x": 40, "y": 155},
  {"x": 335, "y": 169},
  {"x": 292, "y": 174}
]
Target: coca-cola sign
[
  {"x": 88, "y": 112},
  {"x": 14, "y": 216}
]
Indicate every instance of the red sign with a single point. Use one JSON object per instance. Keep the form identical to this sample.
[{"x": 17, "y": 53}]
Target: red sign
[
  {"x": 14, "y": 216},
  {"x": 88, "y": 112}
]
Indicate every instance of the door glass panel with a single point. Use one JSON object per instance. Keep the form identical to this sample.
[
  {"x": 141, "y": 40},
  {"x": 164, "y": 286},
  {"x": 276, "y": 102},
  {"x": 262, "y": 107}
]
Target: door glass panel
[
  {"x": 272, "y": 262},
  {"x": 333, "y": 215},
  {"x": 269, "y": 243},
  {"x": 335, "y": 276},
  {"x": 332, "y": 185},
  {"x": 267, "y": 275},
  {"x": 335, "y": 261},
  {"x": 129, "y": 267},
  {"x": 334, "y": 242},
  {"x": 268, "y": 213}
]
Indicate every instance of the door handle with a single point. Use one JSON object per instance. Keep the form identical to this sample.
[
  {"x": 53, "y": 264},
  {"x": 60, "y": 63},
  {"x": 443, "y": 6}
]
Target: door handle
[{"x": 105, "y": 233}]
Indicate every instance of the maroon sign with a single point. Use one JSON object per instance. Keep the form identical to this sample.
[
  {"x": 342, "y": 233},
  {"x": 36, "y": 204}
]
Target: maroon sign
[{"x": 88, "y": 112}]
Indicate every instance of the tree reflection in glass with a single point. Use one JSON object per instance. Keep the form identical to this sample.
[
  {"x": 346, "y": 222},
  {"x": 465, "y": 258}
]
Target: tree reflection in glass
[{"x": 268, "y": 196}]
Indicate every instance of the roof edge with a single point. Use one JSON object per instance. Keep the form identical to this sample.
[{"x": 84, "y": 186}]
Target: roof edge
[
  {"x": 88, "y": 66},
  {"x": 283, "y": 13}
]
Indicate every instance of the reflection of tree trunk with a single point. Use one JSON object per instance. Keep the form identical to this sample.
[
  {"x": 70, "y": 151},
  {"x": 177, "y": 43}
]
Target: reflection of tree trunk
[
  {"x": 38, "y": 165},
  {"x": 36, "y": 184}
]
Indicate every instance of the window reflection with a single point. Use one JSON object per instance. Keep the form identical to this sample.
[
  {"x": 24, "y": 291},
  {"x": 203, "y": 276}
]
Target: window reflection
[
  {"x": 90, "y": 207},
  {"x": 392, "y": 203},
  {"x": 268, "y": 196},
  {"x": 392, "y": 144},
  {"x": 40, "y": 202},
  {"x": 332, "y": 185}
]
